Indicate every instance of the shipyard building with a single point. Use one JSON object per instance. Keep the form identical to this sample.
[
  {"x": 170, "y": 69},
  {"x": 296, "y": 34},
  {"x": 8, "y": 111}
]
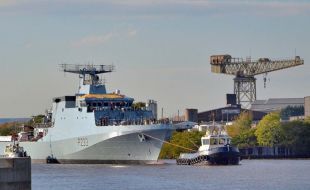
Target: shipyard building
[
  {"x": 258, "y": 109},
  {"x": 276, "y": 104}
]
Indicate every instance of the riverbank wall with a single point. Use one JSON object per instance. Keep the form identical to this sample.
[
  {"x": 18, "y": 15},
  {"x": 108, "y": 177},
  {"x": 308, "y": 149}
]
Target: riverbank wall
[
  {"x": 15, "y": 173},
  {"x": 269, "y": 153}
]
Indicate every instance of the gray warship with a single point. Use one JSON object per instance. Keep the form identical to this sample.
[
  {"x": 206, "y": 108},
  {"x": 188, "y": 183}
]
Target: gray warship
[{"x": 95, "y": 127}]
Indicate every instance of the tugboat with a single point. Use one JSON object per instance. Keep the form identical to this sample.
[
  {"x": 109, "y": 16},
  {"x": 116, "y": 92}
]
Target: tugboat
[
  {"x": 14, "y": 151},
  {"x": 15, "y": 168},
  {"x": 215, "y": 149}
]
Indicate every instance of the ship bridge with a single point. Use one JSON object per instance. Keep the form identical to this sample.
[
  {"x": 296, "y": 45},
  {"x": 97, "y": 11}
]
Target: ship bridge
[
  {"x": 108, "y": 108},
  {"x": 106, "y": 101}
]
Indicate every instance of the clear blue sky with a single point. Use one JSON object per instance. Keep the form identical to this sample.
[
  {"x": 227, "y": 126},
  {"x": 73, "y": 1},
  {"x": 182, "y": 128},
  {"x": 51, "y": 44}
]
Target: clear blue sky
[{"x": 160, "y": 48}]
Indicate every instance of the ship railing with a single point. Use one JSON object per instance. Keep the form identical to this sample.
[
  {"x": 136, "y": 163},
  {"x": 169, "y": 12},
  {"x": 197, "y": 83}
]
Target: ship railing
[
  {"x": 127, "y": 122},
  {"x": 43, "y": 125}
]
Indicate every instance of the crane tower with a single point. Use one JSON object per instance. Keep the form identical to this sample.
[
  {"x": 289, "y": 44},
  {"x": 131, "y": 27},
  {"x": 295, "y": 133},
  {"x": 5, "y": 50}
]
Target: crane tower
[{"x": 245, "y": 72}]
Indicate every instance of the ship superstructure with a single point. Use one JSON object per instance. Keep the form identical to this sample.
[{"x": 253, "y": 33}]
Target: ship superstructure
[{"x": 94, "y": 126}]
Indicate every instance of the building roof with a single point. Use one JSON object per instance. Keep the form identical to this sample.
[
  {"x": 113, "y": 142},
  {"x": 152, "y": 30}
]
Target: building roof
[{"x": 275, "y": 104}]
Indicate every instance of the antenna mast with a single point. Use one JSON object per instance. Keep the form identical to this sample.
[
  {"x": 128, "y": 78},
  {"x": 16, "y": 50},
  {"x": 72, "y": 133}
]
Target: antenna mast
[{"x": 89, "y": 73}]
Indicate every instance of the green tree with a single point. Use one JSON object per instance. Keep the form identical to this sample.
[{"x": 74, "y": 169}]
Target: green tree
[
  {"x": 138, "y": 105},
  {"x": 240, "y": 125},
  {"x": 190, "y": 140},
  {"x": 36, "y": 119},
  {"x": 241, "y": 132},
  {"x": 307, "y": 119},
  {"x": 245, "y": 139},
  {"x": 296, "y": 137},
  {"x": 268, "y": 131},
  {"x": 8, "y": 128}
]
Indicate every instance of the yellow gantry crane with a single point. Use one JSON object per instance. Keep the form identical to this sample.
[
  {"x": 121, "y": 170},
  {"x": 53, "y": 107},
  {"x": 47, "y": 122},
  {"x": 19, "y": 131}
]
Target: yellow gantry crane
[{"x": 245, "y": 71}]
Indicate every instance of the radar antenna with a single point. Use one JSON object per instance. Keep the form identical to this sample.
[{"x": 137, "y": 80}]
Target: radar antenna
[
  {"x": 89, "y": 73},
  {"x": 87, "y": 69}
]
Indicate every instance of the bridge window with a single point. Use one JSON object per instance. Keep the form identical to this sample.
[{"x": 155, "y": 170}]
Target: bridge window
[
  {"x": 213, "y": 141},
  {"x": 205, "y": 142},
  {"x": 222, "y": 141}
]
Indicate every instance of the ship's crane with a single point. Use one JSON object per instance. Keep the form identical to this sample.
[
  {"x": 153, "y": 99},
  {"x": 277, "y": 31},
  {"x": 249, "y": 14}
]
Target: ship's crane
[{"x": 245, "y": 71}]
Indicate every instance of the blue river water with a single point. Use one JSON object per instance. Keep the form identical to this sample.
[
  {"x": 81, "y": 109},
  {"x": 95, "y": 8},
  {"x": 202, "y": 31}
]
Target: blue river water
[{"x": 250, "y": 174}]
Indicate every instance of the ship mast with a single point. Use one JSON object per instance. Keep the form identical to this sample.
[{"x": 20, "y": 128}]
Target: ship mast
[{"x": 89, "y": 75}]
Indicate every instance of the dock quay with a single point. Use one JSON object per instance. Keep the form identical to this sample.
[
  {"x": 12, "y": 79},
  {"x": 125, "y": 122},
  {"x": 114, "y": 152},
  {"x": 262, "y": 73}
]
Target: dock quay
[{"x": 15, "y": 173}]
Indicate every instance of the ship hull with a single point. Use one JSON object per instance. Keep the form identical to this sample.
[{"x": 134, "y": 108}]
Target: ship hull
[
  {"x": 224, "y": 156},
  {"x": 137, "y": 147}
]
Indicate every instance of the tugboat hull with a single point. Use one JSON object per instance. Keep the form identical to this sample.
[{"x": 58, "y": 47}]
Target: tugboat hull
[
  {"x": 217, "y": 156},
  {"x": 224, "y": 156}
]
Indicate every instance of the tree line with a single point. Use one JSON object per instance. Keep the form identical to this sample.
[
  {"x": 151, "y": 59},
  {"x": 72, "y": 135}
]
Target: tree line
[
  {"x": 11, "y": 128},
  {"x": 271, "y": 132},
  {"x": 268, "y": 132}
]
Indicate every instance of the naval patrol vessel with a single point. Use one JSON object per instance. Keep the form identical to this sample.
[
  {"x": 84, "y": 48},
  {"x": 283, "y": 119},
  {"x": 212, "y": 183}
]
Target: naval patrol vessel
[{"x": 94, "y": 126}]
